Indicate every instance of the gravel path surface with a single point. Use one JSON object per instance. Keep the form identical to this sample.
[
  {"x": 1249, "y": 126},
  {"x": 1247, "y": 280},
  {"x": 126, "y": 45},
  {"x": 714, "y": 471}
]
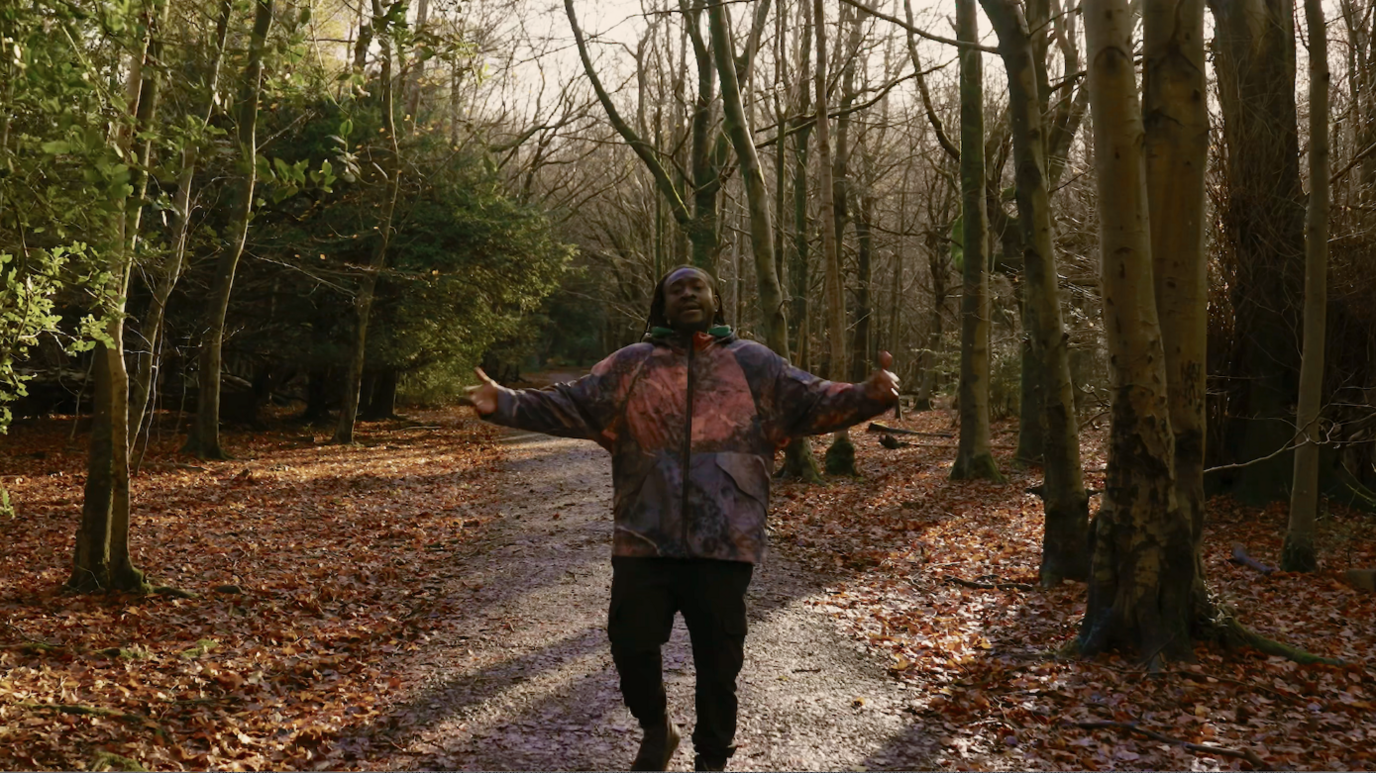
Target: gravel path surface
[{"x": 523, "y": 679}]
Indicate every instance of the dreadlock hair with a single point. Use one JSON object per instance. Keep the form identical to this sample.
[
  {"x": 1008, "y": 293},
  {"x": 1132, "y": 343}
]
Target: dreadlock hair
[{"x": 657, "y": 318}]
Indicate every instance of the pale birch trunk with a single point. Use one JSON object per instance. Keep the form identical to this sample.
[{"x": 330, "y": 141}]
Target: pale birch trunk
[{"x": 1299, "y": 554}]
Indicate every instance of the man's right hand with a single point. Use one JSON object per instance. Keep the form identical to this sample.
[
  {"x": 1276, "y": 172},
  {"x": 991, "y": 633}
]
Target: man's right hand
[{"x": 483, "y": 396}]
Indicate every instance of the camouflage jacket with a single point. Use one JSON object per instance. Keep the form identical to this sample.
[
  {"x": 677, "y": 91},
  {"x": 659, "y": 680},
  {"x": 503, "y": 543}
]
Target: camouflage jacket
[{"x": 700, "y": 492}]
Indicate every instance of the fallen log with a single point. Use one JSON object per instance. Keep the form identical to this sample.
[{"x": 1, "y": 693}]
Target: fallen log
[
  {"x": 1362, "y": 579},
  {"x": 1240, "y": 557},
  {"x": 877, "y": 427}
]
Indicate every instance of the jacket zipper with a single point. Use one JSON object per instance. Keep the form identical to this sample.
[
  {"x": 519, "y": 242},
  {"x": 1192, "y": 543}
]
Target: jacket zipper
[{"x": 687, "y": 449}]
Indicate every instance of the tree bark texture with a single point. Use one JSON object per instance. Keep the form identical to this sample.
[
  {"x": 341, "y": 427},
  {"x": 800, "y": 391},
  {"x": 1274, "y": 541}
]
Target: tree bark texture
[
  {"x": 862, "y": 354},
  {"x": 363, "y": 302},
  {"x": 840, "y": 457},
  {"x": 1064, "y": 547},
  {"x": 101, "y": 559},
  {"x": 1140, "y": 585},
  {"x": 168, "y": 271},
  {"x": 757, "y": 195},
  {"x": 204, "y": 440},
  {"x": 1263, "y": 227},
  {"x": 799, "y": 461},
  {"x": 974, "y": 459},
  {"x": 938, "y": 254},
  {"x": 1299, "y": 554},
  {"x": 1176, "y": 121}
]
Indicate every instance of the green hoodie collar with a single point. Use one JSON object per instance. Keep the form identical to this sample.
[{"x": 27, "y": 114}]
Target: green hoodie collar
[{"x": 716, "y": 331}]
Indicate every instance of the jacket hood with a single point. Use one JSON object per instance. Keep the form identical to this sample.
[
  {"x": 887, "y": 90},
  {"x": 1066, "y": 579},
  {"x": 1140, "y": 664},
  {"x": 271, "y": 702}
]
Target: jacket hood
[{"x": 664, "y": 335}]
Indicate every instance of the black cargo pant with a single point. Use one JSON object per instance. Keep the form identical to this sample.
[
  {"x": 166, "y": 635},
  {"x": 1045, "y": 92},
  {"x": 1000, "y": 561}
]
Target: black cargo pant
[{"x": 646, "y": 592}]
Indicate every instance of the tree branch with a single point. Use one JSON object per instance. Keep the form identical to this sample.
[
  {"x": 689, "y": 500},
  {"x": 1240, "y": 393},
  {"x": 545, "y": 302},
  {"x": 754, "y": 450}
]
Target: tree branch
[
  {"x": 918, "y": 31},
  {"x": 641, "y": 148},
  {"x": 932, "y": 117}
]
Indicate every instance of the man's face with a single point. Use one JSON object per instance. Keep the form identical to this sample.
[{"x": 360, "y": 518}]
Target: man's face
[{"x": 688, "y": 300}]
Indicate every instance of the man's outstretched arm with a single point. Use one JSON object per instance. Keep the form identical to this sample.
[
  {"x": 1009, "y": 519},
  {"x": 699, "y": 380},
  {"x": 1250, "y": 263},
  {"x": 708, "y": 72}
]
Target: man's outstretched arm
[
  {"x": 578, "y": 409},
  {"x": 809, "y": 405}
]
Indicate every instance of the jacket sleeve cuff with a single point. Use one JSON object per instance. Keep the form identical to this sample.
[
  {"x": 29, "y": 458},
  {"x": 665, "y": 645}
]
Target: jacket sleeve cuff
[{"x": 506, "y": 408}]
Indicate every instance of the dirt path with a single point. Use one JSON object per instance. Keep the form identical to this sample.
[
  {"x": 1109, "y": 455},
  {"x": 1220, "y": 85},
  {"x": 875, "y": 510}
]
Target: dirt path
[{"x": 523, "y": 680}]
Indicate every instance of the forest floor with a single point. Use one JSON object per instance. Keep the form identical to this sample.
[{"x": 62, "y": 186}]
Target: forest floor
[{"x": 435, "y": 597}]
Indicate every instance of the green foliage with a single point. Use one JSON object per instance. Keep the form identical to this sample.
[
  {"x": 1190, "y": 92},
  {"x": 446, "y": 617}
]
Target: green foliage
[
  {"x": 63, "y": 177},
  {"x": 469, "y": 267}
]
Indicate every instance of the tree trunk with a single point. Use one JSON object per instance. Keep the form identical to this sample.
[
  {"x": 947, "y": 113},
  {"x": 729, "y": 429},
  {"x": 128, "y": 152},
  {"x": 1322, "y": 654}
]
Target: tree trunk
[
  {"x": 1031, "y": 398},
  {"x": 418, "y": 74},
  {"x": 799, "y": 461},
  {"x": 1299, "y": 554},
  {"x": 704, "y": 233},
  {"x": 1176, "y": 117},
  {"x": 937, "y": 267},
  {"x": 1139, "y": 592},
  {"x": 896, "y": 341},
  {"x": 862, "y": 340},
  {"x": 1007, "y": 231},
  {"x": 168, "y": 271},
  {"x": 101, "y": 559},
  {"x": 317, "y": 396},
  {"x": 757, "y": 195},
  {"x": 974, "y": 459},
  {"x": 799, "y": 268},
  {"x": 204, "y": 440},
  {"x": 841, "y": 455},
  {"x": 1263, "y": 226},
  {"x": 382, "y": 398},
  {"x": 363, "y": 302},
  {"x": 1064, "y": 548}
]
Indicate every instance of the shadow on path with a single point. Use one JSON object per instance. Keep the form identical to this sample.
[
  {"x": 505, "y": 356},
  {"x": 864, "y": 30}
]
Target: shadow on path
[{"x": 523, "y": 679}]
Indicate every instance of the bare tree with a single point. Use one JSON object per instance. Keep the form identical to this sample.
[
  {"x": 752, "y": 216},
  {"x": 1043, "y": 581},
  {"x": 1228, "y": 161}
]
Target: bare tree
[
  {"x": 204, "y": 440},
  {"x": 974, "y": 459},
  {"x": 1299, "y": 554},
  {"x": 1065, "y": 542}
]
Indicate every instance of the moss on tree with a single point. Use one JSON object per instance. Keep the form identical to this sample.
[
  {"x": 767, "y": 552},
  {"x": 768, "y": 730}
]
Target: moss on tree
[
  {"x": 840, "y": 456},
  {"x": 799, "y": 462}
]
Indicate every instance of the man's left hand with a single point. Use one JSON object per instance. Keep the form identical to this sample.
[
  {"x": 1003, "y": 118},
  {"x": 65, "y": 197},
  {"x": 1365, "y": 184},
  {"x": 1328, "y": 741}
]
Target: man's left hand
[{"x": 883, "y": 384}]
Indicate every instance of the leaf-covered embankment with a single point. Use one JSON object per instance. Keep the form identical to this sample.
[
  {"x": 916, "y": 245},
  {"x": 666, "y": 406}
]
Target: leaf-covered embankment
[
  {"x": 316, "y": 568},
  {"x": 942, "y": 575}
]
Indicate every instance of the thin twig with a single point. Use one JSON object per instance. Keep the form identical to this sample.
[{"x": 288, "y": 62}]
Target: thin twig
[
  {"x": 1221, "y": 751},
  {"x": 918, "y": 31},
  {"x": 999, "y": 585}
]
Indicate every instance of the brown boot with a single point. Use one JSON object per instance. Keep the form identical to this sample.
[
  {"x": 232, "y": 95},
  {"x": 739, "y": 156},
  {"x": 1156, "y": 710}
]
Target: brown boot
[{"x": 657, "y": 747}]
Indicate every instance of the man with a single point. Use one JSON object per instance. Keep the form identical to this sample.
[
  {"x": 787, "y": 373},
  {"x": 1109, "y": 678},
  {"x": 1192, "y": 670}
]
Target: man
[{"x": 693, "y": 417}]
